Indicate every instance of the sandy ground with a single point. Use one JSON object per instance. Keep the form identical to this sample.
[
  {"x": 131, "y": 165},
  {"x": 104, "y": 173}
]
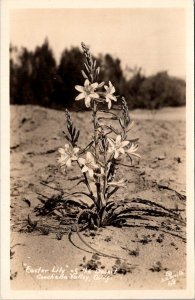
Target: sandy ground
[{"x": 152, "y": 251}]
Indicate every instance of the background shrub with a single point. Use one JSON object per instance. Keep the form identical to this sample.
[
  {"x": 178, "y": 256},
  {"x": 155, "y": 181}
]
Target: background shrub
[{"x": 36, "y": 78}]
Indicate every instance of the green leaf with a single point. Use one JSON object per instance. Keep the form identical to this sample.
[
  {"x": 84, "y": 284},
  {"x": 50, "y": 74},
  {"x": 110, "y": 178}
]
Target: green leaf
[
  {"x": 130, "y": 126},
  {"x": 84, "y": 74},
  {"x": 87, "y": 147},
  {"x": 76, "y": 136},
  {"x": 87, "y": 67},
  {"x": 108, "y": 112},
  {"x": 73, "y": 132},
  {"x": 134, "y": 140},
  {"x": 68, "y": 139},
  {"x": 79, "y": 203},
  {"x": 97, "y": 71},
  {"x": 113, "y": 191},
  {"x": 111, "y": 128}
]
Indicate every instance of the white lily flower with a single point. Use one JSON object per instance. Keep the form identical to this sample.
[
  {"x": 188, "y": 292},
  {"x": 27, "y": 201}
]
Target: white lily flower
[
  {"x": 133, "y": 149},
  {"x": 89, "y": 164},
  {"x": 87, "y": 92},
  {"x": 117, "y": 146},
  {"x": 110, "y": 90},
  {"x": 68, "y": 154}
]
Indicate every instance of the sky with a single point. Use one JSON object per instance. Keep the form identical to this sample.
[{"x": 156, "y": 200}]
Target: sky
[{"x": 151, "y": 38}]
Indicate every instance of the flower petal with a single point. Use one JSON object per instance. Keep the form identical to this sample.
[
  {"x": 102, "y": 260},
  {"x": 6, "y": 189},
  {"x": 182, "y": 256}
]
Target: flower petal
[
  {"x": 87, "y": 101},
  {"x": 116, "y": 154},
  {"x": 95, "y": 165},
  {"x": 118, "y": 139},
  {"x": 94, "y": 85},
  {"x": 94, "y": 95},
  {"x": 68, "y": 163},
  {"x": 109, "y": 104},
  {"x": 90, "y": 172},
  {"x": 76, "y": 150},
  {"x": 112, "y": 97},
  {"x": 101, "y": 84},
  {"x": 64, "y": 158},
  {"x": 111, "y": 142},
  {"x": 133, "y": 148},
  {"x": 74, "y": 157},
  {"x": 124, "y": 143},
  {"x": 66, "y": 146},
  {"x": 86, "y": 84},
  {"x": 121, "y": 150},
  {"x": 80, "y": 96},
  {"x": 89, "y": 157},
  {"x": 110, "y": 149},
  {"x": 85, "y": 169},
  {"x": 82, "y": 160},
  {"x": 61, "y": 151},
  {"x": 79, "y": 88},
  {"x": 60, "y": 160},
  {"x": 112, "y": 88}
]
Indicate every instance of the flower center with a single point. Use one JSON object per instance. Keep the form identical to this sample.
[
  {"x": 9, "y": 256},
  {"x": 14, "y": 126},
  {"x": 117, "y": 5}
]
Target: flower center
[
  {"x": 69, "y": 153},
  {"x": 118, "y": 146},
  {"x": 89, "y": 90}
]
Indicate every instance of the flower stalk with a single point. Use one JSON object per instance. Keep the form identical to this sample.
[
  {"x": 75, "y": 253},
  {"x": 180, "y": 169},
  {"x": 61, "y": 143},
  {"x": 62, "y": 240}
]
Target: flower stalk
[{"x": 99, "y": 161}]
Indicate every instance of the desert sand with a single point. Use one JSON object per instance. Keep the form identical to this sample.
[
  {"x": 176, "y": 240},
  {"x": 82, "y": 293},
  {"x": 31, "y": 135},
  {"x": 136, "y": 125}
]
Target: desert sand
[{"x": 148, "y": 253}]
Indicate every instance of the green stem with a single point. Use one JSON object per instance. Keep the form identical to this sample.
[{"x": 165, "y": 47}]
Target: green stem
[
  {"x": 87, "y": 184},
  {"x": 95, "y": 128},
  {"x": 105, "y": 174},
  {"x": 97, "y": 179}
]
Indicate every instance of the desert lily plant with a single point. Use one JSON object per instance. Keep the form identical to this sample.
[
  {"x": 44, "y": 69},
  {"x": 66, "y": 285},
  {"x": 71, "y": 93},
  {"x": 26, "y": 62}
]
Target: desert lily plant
[{"x": 106, "y": 152}]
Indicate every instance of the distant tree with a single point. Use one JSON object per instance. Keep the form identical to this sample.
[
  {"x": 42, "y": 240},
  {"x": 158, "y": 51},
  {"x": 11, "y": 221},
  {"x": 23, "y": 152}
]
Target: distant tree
[
  {"x": 36, "y": 79},
  {"x": 111, "y": 70},
  {"x": 133, "y": 86},
  {"x": 69, "y": 75},
  {"x": 162, "y": 90},
  {"x": 32, "y": 76},
  {"x": 20, "y": 77},
  {"x": 43, "y": 74},
  {"x": 176, "y": 92},
  {"x": 13, "y": 73}
]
